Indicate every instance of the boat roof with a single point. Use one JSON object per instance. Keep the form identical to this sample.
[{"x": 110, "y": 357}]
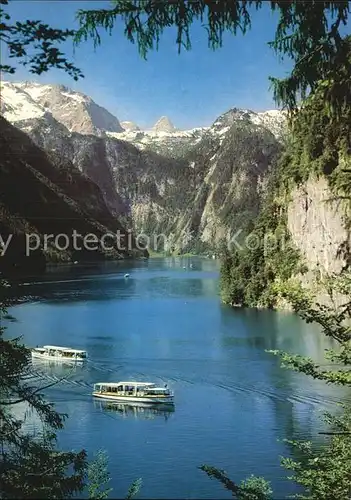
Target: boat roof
[
  {"x": 115, "y": 384},
  {"x": 59, "y": 348}
]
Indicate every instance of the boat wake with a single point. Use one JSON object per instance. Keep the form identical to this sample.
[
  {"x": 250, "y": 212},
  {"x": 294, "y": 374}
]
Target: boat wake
[{"x": 94, "y": 371}]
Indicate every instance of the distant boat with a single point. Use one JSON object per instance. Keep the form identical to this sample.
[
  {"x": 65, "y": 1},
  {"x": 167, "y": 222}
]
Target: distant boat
[
  {"x": 58, "y": 353},
  {"x": 126, "y": 275},
  {"x": 138, "y": 392}
]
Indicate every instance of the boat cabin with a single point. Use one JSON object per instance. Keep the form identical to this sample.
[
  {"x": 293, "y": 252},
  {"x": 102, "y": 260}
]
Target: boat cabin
[
  {"x": 52, "y": 351},
  {"x": 131, "y": 389}
]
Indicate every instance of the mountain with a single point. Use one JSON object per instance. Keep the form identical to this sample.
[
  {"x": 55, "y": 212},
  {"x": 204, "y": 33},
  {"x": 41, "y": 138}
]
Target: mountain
[
  {"x": 164, "y": 124},
  {"x": 190, "y": 186},
  {"x": 172, "y": 144},
  {"x": 43, "y": 194},
  {"x": 130, "y": 126},
  {"x": 273, "y": 120},
  {"x": 177, "y": 143},
  {"x": 78, "y": 112}
]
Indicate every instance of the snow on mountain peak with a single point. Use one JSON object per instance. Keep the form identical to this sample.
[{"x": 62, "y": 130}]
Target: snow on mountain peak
[
  {"x": 164, "y": 124},
  {"x": 16, "y": 104},
  {"x": 274, "y": 119},
  {"x": 130, "y": 126},
  {"x": 78, "y": 112}
]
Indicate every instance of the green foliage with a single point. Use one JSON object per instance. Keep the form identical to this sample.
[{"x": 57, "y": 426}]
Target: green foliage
[
  {"x": 319, "y": 145},
  {"x": 252, "y": 488},
  {"x": 98, "y": 476},
  {"x": 334, "y": 321},
  {"x": 33, "y": 44},
  {"x": 326, "y": 473},
  {"x": 320, "y": 141},
  {"x": 134, "y": 489},
  {"x": 31, "y": 466},
  {"x": 307, "y": 33},
  {"x": 314, "y": 45},
  {"x": 264, "y": 256}
]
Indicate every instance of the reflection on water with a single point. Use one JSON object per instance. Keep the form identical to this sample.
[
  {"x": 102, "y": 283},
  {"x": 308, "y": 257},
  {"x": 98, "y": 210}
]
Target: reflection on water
[
  {"x": 137, "y": 410},
  {"x": 73, "y": 365},
  {"x": 58, "y": 368}
]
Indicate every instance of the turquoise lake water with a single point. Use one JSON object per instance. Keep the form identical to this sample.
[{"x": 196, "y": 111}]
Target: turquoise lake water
[{"x": 233, "y": 403}]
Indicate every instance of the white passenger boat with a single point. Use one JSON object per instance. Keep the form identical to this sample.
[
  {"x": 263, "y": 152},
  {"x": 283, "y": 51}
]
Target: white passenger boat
[
  {"x": 141, "y": 392},
  {"x": 57, "y": 353}
]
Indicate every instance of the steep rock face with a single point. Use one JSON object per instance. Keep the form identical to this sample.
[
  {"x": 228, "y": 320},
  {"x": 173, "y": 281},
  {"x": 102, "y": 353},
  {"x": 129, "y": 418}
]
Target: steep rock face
[
  {"x": 230, "y": 169},
  {"x": 42, "y": 195},
  {"x": 137, "y": 185},
  {"x": 196, "y": 202},
  {"x": 78, "y": 112},
  {"x": 317, "y": 226},
  {"x": 193, "y": 187},
  {"x": 164, "y": 124}
]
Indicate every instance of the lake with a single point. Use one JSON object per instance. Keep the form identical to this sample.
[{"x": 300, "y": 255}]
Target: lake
[{"x": 233, "y": 403}]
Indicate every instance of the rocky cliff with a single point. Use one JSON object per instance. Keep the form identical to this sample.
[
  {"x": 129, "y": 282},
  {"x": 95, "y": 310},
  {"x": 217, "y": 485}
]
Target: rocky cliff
[
  {"x": 317, "y": 226},
  {"x": 43, "y": 194}
]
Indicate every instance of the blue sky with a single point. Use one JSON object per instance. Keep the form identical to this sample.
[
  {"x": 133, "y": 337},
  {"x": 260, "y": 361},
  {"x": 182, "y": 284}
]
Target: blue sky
[{"x": 192, "y": 88}]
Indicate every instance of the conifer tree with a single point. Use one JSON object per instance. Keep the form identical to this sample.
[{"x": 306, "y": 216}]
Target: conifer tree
[{"x": 308, "y": 33}]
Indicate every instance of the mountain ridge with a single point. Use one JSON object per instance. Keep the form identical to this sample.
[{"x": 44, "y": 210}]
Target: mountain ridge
[
  {"x": 43, "y": 98},
  {"x": 170, "y": 182},
  {"x": 77, "y": 111}
]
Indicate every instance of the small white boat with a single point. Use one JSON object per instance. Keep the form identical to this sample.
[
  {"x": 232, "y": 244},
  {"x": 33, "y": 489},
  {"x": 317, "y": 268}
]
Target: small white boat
[
  {"x": 57, "y": 353},
  {"x": 140, "y": 392}
]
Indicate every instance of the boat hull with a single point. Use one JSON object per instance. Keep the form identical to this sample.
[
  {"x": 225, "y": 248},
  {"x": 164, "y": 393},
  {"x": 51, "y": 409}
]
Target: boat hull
[
  {"x": 46, "y": 357},
  {"x": 135, "y": 399}
]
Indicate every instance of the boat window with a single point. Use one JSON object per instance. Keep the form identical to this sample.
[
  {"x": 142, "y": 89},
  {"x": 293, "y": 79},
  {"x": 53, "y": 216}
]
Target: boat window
[{"x": 165, "y": 392}]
